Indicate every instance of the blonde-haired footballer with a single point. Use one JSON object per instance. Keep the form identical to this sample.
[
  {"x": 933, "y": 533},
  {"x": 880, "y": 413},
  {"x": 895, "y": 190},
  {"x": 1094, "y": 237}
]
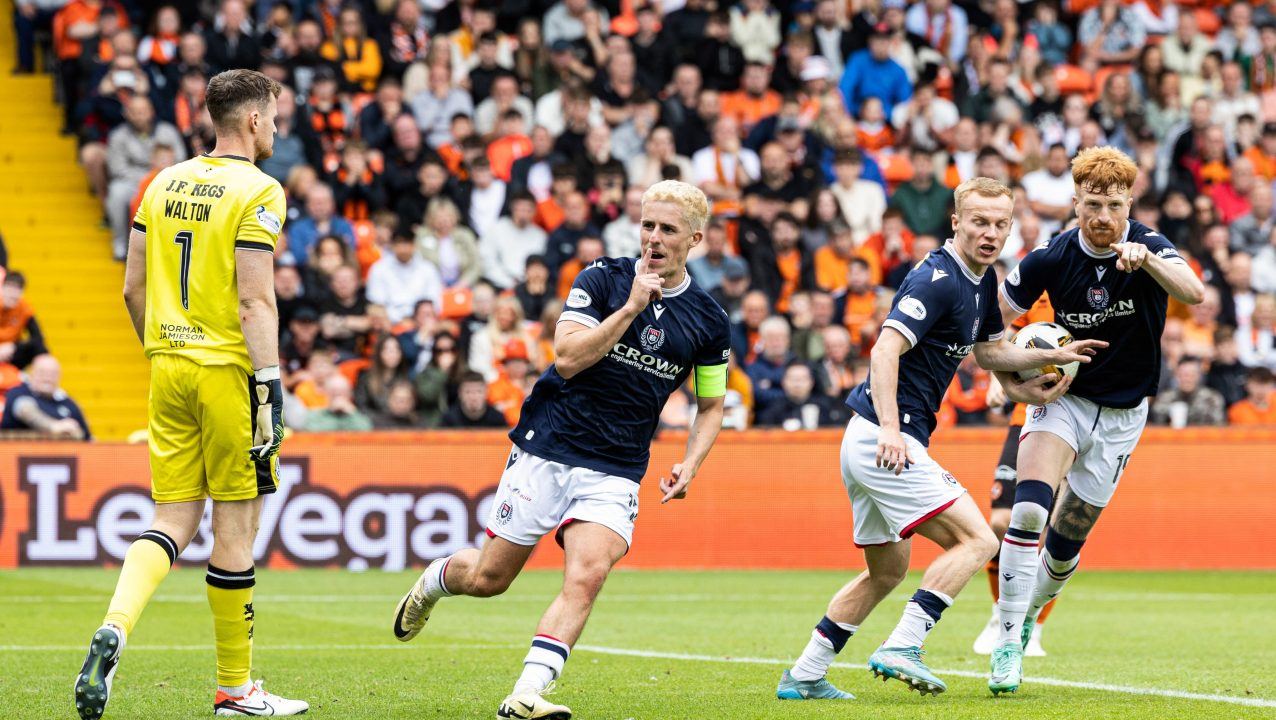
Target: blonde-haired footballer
[
  {"x": 1108, "y": 279},
  {"x": 945, "y": 309},
  {"x": 199, "y": 286},
  {"x": 631, "y": 334}
]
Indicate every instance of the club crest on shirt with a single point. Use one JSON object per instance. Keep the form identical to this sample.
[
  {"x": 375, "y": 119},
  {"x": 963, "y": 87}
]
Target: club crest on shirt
[
  {"x": 505, "y": 513},
  {"x": 1038, "y": 412},
  {"x": 1097, "y": 297},
  {"x": 651, "y": 338}
]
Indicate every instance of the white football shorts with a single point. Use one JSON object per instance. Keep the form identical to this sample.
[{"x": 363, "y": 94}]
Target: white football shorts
[
  {"x": 1103, "y": 439},
  {"x": 889, "y": 507},
  {"x": 537, "y": 496}
]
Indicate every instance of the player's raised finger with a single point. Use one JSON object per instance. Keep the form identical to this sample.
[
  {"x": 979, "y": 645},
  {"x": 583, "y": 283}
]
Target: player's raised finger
[{"x": 643, "y": 262}]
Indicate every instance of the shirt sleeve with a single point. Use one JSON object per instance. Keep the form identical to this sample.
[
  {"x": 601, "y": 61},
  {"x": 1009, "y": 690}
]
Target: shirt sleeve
[
  {"x": 918, "y": 304},
  {"x": 1161, "y": 246},
  {"x": 1027, "y": 281},
  {"x": 263, "y": 220},
  {"x": 718, "y": 350},
  {"x": 991, "y": 328},
  {"x": 587, "y": 302}
]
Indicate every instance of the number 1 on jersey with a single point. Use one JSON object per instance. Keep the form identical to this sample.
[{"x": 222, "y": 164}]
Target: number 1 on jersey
[{"x": 185, "y": 238}]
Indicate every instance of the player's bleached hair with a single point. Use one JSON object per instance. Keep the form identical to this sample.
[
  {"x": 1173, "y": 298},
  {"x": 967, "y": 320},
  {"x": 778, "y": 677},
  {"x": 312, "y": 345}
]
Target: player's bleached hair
[
  {"x": 231, "y": 91},
  {"x": 983, "y": 187},
  {"x": 1103, "y": 170},
  {"x": 689, "y": 198}
]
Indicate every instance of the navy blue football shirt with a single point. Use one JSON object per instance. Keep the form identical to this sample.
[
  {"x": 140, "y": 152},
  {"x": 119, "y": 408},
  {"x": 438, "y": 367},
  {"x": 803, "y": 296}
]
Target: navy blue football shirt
[
  {"x": 1094, "y": 300},
  {"x": 605, "y": 416},
  {"x": 943, "y": 308}
]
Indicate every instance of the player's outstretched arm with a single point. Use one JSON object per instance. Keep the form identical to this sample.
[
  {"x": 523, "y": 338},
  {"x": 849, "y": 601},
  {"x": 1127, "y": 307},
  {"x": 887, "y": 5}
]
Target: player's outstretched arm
[
  {"x": 135, "y": 282},
  {"x": 704, "y": 430},
  {"x": 1172, "y": 274},
  {"x": 1007, "y": 357},
  {"x": 892, "y": 452}
]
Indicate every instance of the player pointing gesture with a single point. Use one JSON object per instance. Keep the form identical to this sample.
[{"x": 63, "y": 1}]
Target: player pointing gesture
[
  {"x": 630, "y": 335},
  {"x": 1108, "y": 279}
]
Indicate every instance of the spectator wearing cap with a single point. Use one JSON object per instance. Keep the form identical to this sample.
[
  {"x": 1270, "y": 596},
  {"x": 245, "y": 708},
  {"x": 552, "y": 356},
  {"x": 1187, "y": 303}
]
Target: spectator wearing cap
[
  {"x": 734, "y": 286},
  {"x": 472, "y": 410},
  {"x": 535, "y": 292},
  {"x": 1259, "y": 405},
  {"x": 231, "y": 44},
  {"x": 862, "y": 201},
  {"x": 399, "y": 280},
  {"x": 40, "y": 405},
  {"x": 20, "y": 338},
  {"x": 1189, "y": 401},
  {"x": 508, "y": 391},
  {"x": 944, "y": 26},
  {"x": 923, "y": 200},
  {"x": 873, "y": 73}
]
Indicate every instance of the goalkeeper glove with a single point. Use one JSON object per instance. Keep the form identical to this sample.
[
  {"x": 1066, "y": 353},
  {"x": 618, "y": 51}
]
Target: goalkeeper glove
[{"x": 268, "y": 413}]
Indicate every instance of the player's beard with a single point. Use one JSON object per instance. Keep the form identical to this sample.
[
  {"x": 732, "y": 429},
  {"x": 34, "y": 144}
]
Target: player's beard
[
  {"x": 264, "y": 149},
  {"x": 1101, "y": 236}
]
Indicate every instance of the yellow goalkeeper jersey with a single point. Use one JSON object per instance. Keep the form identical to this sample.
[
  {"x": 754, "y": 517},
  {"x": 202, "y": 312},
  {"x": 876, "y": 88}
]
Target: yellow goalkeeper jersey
[{"x": 195, "y": 215}]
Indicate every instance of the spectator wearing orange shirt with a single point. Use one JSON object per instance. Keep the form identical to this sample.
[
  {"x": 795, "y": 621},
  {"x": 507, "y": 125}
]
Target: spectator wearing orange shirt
[
  {"x": 793, "y": 269},
  {"x": 162, "y": 156},
  {"x": 508, "y": 391},
  {"x": 754, "y": 100},
  {"x": 1263, "y": 153},
  {"x": 511, "y": 144},
  {"x": 588, "y": 249},
  {"x": 858, "y": 305},
  {"x": 833, "y": 261},
  {"x": 892, "y": 246},
  {"x": 1259, "y": 405},
  {"x": 73, "y": 26},
  {"x": 873, "y": 133},
  {"x": 549, "y": 212},
  {"x": 359, "y": 55},
  {"x": 20, "y": 338}
]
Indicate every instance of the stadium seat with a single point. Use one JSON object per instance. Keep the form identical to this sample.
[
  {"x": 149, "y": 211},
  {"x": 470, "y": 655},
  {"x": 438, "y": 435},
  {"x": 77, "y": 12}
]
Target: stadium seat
[{"x": 457, "y": 303}]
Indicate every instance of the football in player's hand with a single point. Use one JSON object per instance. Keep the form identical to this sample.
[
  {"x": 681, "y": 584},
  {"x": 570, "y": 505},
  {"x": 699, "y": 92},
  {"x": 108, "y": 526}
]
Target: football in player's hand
[{"x": 1047, "y": 336}]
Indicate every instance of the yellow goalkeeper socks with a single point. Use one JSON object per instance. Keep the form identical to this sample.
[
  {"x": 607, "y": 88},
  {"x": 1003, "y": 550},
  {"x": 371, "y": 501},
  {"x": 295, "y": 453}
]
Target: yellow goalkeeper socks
[
  {"x": 146, "y": 565},
  {"x": 230, "y": 595}
]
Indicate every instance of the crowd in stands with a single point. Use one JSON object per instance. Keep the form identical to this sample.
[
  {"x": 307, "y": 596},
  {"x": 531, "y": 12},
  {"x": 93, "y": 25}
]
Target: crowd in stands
[{"x": 451, "y": 167}]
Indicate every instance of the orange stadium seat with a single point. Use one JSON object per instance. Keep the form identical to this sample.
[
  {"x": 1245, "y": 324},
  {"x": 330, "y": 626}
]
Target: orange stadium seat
[
  {"x": 1073, "y": 79},
  {"x": 457, "y": 303}
]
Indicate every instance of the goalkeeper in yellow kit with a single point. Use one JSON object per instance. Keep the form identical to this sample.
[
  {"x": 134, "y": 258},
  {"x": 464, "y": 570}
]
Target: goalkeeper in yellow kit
[{"x": 199, "y": 289}]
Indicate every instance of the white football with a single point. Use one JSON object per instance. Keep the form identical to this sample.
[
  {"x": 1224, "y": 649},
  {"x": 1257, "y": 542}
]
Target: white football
[{"x": 1048, "y": 336}]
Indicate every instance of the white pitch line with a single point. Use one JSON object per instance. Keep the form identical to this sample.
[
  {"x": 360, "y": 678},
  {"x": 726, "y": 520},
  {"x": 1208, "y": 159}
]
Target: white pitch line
[{"x": 1126, "y": 689}]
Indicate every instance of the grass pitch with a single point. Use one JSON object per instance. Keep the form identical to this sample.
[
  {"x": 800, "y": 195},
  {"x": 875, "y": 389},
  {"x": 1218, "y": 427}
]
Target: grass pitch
[{"x": 695, "y": 645}]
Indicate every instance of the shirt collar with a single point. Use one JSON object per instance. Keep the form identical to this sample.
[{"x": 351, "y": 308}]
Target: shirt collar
[
  {"x": 1086, "y": 248},
  {"x": 680, "y": 288},
  {"x": 965, "y": 269}
]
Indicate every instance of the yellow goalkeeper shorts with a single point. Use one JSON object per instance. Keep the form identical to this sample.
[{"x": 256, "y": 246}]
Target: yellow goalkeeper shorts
[{"x": 201, "y": 427}]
